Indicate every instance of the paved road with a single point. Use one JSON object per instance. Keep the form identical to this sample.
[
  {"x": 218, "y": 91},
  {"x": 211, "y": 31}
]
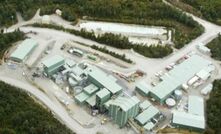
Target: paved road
[
  {"x": 59, "y": 111},
  {"x": 150, "y": 66}
]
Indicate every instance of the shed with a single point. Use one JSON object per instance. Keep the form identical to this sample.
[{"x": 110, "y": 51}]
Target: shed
[
  {"x": 46, "y": 19},
  {"x": 207, "y": 89}
]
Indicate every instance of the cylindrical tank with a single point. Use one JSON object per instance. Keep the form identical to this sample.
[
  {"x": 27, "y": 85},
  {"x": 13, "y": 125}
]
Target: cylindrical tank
[
  {"x": 178, "y": 94},
  {"x": 170, "y": 102}
]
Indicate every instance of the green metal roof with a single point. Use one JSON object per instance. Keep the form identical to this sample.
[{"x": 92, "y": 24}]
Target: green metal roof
[
  {"x": 90, "y": 89},
  {"x": 147, "y": 114},
  {"x": 196, "y": 105},
  {"x": 24, "y": 49},
  {"x": 52, "y": 61},
  {"x": 103, "y": 93},
  {"x": 144, "y": 105},
  {"x": 106, "y": 80},
  {"x": 149, "y": 126},
  {"x": 124, "y": 103},
  {"x": 91, "y": 100},
  {"x": 82, "y": 97},
  {"x": 144, "y": 87},
  {"x": 179, "y": 75},
  {"x": 187, "y": 119}
]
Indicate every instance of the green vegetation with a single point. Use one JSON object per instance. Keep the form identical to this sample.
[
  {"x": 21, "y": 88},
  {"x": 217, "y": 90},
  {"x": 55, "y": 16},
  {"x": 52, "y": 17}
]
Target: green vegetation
[
  {"x": 209, "y": 9},
  {"x": 117, "y": 41},
  {"x": 213, "y": 109},
  {"x": 6, "y": 40},
  {"x": 145, "y": 12},
  {"x": 19, "y": 114},
  {"x": 215, "y": 47},
  {"x": 116, "y": 55}
]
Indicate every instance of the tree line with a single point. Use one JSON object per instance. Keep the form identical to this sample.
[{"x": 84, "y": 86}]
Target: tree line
[
  {"x": 20, "y": 114},
  {"x": 145, "y": 12},
  {"x": 7, "y": 39},
  {"x": 117, "y": 41},
  {"x": 213, "y": 109},
  {"x": 210, "y": 9},
  {"x": 215, "y": 48},
  {"x": 116, "y": 55}
]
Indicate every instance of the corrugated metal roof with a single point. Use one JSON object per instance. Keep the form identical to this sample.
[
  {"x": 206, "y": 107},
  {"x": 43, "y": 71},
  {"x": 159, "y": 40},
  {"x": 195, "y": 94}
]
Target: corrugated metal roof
[
  {"x": 106, "y": 80},
  {"x": 147, "y": 114},
  {"x": 196, "y": 105},
  {"x": 102, "y": 93},
  {"x": 188, "y": 119},
  {"x": 149, "y": 126},
  {"x": 52, "y": 61},
  {"x": 144, "y": 105},
  {"x": 124, "y": 103},
  {"x": 144, "y": 87},
  {"x": 91, "y": 100},
  {"x": 179, "y": 75},
  {"x": 203, "y": 74},
  {"x": 90, "y": 89},
  {"x": 24, "y": 49},
  {"x": 82, "y": 97}
]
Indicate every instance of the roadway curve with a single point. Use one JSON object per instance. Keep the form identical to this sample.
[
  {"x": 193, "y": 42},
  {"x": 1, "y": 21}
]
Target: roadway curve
[
  {"x": 153, "y": 65},
  {"x": 58, "y": 110}
]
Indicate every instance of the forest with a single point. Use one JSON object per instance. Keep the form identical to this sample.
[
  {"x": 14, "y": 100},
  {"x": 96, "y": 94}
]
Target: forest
[
  {"x": 20, "y": 114},
  {"x": 144, "y": 12},
  {"x": 116, "y": 55},
  {"x": 213, "y": 109},
  {"x": 215, "y": 47},
  {"x": 7, "y": 40},
  {"x": 209, "y": 9}
]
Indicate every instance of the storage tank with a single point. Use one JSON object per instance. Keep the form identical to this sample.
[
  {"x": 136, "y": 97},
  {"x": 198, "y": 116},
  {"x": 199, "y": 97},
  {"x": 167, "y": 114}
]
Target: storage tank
[
  {"x": 178, "y": 94},
  {"x": 170, "y": 102}
]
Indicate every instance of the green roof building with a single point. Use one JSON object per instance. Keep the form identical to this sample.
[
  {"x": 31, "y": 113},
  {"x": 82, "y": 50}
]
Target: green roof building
[
  {"x": 143, "y": 88},
  {"x": 24, "y": 50},
  {"x": 90, "y": 89},
  {"x": 81, "y": 98},
  {"x": 102, "y": 96},
  {"x": 103, "y": 80},
  {"x": 53, "y": 64},
  {"x": 122, "y": 108},
  {"x": 147, "y": 115},
  {"x": 179, "y": 75}
]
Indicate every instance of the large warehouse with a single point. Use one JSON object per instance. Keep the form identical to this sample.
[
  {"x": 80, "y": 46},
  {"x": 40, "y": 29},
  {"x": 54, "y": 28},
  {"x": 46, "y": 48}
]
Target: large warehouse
[
  {"x": 193, "y": 119},
  {"x": 175, "y": 78},
  {"x": 24, "y": 50},
  {"x": 52, "y": 64}
]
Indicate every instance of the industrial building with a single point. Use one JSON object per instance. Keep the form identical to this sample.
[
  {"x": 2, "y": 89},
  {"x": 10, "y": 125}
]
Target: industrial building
[
  {"x": 24, "y": 50},
  {"x": 193, "y": 119},
  {"x": 178, "y": 76},
  {"x": 122, "y": 109},
  {"x": 103, "y": 80},
  {"x": 53, "y": 64},
  {"x": 147, "y": 115},
  {"x": 101, "y": 97},
  {"x": 187, "y": 120},
  {"x": 143, "y": 88}
]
